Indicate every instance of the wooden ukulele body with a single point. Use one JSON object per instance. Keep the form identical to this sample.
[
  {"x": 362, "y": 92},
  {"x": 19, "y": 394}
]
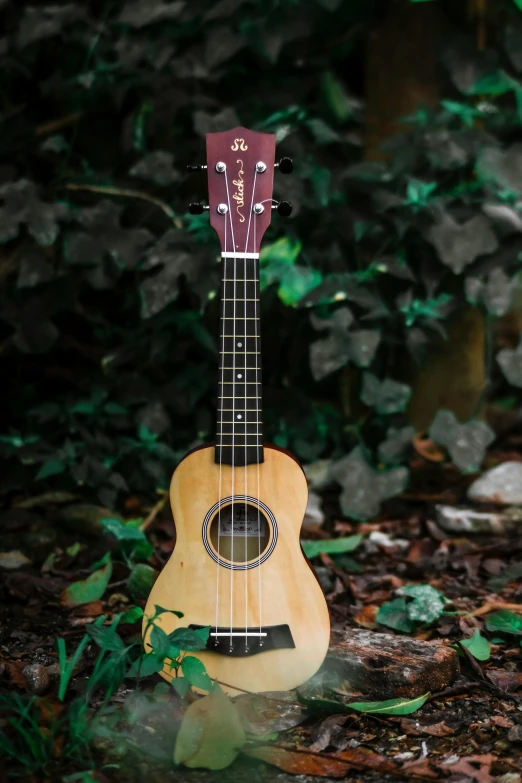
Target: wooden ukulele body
[{"x": 282, "y": 590}]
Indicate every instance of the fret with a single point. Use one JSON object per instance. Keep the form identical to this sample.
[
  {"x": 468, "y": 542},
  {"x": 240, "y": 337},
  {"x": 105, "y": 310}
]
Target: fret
[{"x": 239, "y": 441}]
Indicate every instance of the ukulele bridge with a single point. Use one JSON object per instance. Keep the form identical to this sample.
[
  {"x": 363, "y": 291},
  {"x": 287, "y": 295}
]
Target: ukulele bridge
[{"x": 244, "y": 642}]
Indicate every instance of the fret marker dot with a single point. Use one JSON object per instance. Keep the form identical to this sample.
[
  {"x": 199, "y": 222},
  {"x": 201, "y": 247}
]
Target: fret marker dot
[
  {"x": 239, "y": 416},
  {"x": 239, "y": 375},
  {"x": 240, "y": 345}
]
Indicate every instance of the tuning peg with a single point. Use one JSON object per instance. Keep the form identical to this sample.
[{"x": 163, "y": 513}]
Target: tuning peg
[
  {"x": 196, "y": 208},
  {"x": 284, "y": 208},
  {"x": 286, "y": 165},
  {"x": 198, "y": 167}
]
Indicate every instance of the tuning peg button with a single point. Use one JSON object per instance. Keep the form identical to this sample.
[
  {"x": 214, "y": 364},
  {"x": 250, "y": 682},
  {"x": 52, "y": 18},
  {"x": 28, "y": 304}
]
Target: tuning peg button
[
  {"x": 196, "y": 208},
  {"x": 198, "y": 167},
  {"x": 286, "y": 165},
  {"x": 284, "y": 208}
]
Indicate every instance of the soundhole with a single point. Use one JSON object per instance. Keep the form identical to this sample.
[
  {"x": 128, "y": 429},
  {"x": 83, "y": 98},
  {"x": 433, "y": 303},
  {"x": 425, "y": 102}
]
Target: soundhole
[{"x": 239, "y": 532}]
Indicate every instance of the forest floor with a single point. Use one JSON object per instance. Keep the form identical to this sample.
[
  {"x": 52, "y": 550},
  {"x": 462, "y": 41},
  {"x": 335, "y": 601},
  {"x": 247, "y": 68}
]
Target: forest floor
[{"x": 471, "y": 731}]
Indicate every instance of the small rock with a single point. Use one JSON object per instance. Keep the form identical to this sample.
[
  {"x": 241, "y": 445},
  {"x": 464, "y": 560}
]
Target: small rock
[
  {"x": 467, "y": 520},
  {"x": 314, "y": 515},
  {"x": 515, "y": 734},
  {"x": 377, "y": 538},
  {"x": 10, "y": 561},
  {"x": 36, "y": 677},
  {"x": 501, "y": 485}
]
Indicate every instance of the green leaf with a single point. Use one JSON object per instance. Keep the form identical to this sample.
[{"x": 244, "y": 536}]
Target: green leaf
[
  {"x": 140, "y": 580},
  {"x": 211, "y": 734},
  {"x": 145, "y": 665},
  {"x": 50, "y": 468},
  {"x": 105, "y": 636},
  {"x": 122, "y": 531},
  {"x": 393, "y": 614},
  {"x": 518, "y": 4},
  {"x": 505, "y": 621},
  {"x": 87, "y": 590},
  {"x": 478, "y": 646},
  {"x": 418, "y": 193},
  {"x": 132, "y": 615},
  {"x": 335, "y": 97},
  {"x": 331, "y": 546},
  {"x": 428, "y": 604},
  {"x": 159, "y": 641},
  {"x": 189, "y": 639},
  {"x": 390, "y": 707},
  {"x": 181, "y": 686},
  {"x": 194, "y": 671},
  {"x": 510, "y": 362}
]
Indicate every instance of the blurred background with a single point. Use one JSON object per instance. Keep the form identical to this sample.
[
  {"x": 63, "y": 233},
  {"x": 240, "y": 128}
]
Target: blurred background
[{"x": 391, "y": 317}]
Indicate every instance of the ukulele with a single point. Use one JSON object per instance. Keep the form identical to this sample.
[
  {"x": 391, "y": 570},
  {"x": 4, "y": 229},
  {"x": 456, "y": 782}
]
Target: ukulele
[{"x": 238, "y": 504}]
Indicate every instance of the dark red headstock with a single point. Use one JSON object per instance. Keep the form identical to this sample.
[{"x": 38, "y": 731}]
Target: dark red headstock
[{"x": 234, "y": 191}]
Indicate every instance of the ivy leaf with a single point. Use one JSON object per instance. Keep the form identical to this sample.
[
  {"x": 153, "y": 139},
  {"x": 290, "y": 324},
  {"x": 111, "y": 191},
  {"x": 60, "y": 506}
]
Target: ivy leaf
[
  {"x": 341, "y": 346},
  {"x": 39, "y": 23},
  {"x": 393, "y": 614},
  {"x": 138, "y": 14},
  {"x": 195, "y": 673},
  {"x": 90, "y": 589},
  {"x": 141, "y": 580},
  {"x": 158, "y": 167},
  {"x": 495, "y": 291},
  {"x": 466, "y": 443},
  {"x": 397, "y": 443},
  {"x": 132, "y": 615},
  {"x": 386, "y": 396},
  {"x": 478, "y": 646},
  {"x": 398, "y": 706},
  {"x": 160, "y": 642},
  {"x": 332, "y": 546},
  {"x": 458, "y": 245},
  {"x": 363, "y": 488},
  {"x": 22, "y": 206},
  {"x": 510, "y": 362},
  {"x": 50, "y": 468},
  {"x": 505, "y": 621},
  {"x": 103, "y": 234},
  {"x": 418, "y": 193},
  {"x": 211, "y": 734},
  {"x": 181, "y": 686}
]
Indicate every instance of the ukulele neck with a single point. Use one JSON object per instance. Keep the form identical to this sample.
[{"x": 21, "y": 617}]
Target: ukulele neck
[{"x": 239, "y": 430}]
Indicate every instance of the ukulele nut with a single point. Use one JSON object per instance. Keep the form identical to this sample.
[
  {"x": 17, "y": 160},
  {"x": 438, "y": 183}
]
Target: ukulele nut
[
  {"x": 260, "y": 167},
  {"x": 221, "y": 167},
  {"x": 258, "y": 209},
  {"x": 222, "y": 209}
]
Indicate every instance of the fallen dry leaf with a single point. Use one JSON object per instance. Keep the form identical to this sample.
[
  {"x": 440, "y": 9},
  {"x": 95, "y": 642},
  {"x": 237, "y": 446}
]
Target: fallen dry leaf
[
  {"x": 299, "y": 762},
  {"x": 506, "y": 681},
  {"x": 500, "y": 720},
  {"x": 416, "y": 728},
  {"x": 367, "y": 616},
  {"x": 478, "y": 768},
  {"x": 427, "y": 448}
]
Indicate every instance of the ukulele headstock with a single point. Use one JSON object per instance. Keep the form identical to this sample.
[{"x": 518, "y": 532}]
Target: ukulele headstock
[{"x": 240, "y": 170}]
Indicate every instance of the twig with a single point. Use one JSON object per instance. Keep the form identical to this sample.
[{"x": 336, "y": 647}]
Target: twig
[
  {"x": 155, "y": 510},
  {"x": 128, "y": 193},
  {"x": 251, "y": 693},
  {"x": 454, "y": 690},
  {"x": 490, "y": 606},
  {"x": 54, "y": 125}
]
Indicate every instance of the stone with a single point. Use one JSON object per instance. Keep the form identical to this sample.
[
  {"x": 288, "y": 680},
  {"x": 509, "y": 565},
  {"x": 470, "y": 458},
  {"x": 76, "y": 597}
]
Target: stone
[
  {"x": 467, "y": 520},
  {"x": 383, "y": 666},
  {"x": 515, "y": 734},
  {"x": 11, "y": 561},
  {"x": 501, "y": 485},
  {"x": 36, "y": 677}
]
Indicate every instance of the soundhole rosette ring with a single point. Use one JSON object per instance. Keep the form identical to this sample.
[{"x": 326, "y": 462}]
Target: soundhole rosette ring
[{"x": 255, "y": 562}]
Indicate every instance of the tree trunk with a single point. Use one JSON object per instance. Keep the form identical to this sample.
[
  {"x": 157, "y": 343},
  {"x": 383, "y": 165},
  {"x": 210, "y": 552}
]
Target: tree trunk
[{"x": 403, "y": 73}]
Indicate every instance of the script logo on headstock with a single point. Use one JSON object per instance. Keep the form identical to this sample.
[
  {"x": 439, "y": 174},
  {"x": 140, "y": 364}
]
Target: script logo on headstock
[
  {"x": 240, "y": 187},
  {"x": 239, "y": 144}
]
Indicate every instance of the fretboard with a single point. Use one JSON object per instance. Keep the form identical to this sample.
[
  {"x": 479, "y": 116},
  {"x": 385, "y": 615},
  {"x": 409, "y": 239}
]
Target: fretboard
[{"x": 239, "y": 427}]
